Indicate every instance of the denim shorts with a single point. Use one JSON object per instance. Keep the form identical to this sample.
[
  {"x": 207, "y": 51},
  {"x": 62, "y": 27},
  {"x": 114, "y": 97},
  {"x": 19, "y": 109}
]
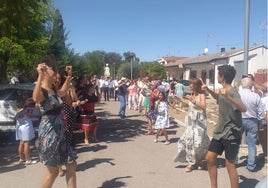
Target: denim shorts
[{"x": 231, "y": 147}]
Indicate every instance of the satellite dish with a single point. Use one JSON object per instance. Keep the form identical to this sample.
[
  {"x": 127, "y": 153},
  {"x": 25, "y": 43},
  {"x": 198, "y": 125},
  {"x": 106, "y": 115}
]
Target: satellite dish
[{"x": 205, "y": 50}]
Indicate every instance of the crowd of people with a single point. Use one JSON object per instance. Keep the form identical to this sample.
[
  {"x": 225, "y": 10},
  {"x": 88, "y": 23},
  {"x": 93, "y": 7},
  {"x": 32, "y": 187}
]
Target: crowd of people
[{"x": 67, "y": 103}]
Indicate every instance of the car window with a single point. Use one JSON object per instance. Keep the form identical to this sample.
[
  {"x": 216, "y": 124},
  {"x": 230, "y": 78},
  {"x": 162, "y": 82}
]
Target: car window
[
  {"x": 8, "y": 94},
  {"x": 185, "y": 82}
]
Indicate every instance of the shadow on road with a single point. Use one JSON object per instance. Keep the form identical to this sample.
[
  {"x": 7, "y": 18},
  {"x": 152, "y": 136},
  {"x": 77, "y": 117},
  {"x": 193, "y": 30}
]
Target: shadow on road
[
  {"x": 94, "y": 162},
  {"x": 247, "y": 182},
  {"x": 114, "y": 183}
]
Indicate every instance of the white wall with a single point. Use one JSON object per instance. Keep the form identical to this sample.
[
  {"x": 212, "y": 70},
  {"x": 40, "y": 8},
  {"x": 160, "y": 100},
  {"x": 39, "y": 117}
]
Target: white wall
[{"x": 258, "y": 61}]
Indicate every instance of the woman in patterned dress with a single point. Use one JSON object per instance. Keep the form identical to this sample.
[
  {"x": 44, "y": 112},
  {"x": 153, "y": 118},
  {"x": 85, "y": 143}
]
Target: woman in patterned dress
[
  {"x": 193, "y": 144},
  {"x": 52, "y": 147},
  {"x": 70, "y": 102}
]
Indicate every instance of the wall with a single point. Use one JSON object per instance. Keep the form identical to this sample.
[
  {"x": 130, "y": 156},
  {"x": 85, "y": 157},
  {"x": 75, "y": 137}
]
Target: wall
[{"x": 257, "y": 61}]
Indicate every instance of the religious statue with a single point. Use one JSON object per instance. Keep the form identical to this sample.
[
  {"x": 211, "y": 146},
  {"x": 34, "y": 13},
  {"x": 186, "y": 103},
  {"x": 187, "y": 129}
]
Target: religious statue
[{"x": 106, "y": 71}]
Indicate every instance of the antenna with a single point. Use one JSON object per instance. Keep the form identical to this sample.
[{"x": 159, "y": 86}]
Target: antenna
[{"x": 205, "y": 51}]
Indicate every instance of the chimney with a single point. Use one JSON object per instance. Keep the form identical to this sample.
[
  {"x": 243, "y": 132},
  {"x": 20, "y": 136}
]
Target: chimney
[{"x": 222, "y": 49}]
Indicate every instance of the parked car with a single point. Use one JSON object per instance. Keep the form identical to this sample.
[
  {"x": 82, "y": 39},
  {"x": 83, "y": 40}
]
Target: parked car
[
  {"x": 186, "y": 87},
  {"x": 9, "y": 94}
]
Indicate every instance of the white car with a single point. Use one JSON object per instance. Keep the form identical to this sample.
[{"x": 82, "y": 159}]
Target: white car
[{"x": 9, "y": 94}]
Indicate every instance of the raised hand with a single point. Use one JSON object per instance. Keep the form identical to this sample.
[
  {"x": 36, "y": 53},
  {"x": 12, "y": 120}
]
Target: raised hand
[{"x": 69, "y": 70}]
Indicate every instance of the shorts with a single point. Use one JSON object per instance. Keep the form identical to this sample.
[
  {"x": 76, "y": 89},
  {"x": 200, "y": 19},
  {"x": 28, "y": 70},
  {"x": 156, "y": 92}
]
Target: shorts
[{"x": 231, "y": 147}]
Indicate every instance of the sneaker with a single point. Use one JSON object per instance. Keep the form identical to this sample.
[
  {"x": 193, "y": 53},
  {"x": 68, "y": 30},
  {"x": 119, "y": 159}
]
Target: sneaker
[
  {"x": 167, "y": 142},
  {"x": 21, "y": 161},
  {"x": 30, "y": 162},
  {"x": 155, "y": 140}
]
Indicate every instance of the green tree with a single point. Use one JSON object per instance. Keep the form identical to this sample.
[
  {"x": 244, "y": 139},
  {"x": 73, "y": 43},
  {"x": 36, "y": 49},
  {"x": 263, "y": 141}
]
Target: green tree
[
  {"x": 23, "y": 34},
  {"x": 129, "y": 56},
  {"x": 93, "y": 62},
  {"x": 154, "y": 70},
  {"x": 57, "y": 38}
]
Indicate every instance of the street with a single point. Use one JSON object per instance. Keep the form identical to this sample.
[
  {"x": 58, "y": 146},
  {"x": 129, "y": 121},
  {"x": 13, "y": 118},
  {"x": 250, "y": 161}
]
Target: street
[{"x": 126, "y": 157}]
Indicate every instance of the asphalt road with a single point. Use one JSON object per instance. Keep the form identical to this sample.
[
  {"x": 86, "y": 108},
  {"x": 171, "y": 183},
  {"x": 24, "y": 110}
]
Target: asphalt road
[{"x": 124, "y": 157}]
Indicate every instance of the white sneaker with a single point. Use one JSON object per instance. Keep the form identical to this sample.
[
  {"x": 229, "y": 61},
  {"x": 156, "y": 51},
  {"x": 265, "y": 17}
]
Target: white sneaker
[
  {"x": 155, "y": 140},
  {"x": 30, "y": 162},
  {"x": 167, "y": 142}
]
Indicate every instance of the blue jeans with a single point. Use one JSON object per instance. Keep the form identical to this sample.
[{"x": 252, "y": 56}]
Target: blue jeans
[
  {"x": 122, "y": 109},
  {"x": 250, "y": 127}
]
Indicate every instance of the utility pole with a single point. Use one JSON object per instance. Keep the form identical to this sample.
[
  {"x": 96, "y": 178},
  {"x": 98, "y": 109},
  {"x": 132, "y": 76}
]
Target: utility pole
[
  {"x": 131, "y": 67},
  {"x": 246, "y": 36}
]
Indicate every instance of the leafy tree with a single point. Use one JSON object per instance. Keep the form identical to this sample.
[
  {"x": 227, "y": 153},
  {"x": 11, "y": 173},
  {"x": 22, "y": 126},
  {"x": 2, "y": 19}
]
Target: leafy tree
[
  {"x": 129, "y": 56},
  {"x": 57, "y": 38},
  {"x": 93, "y": 62},
  {"x": 125, "y": 70},
  {"x": 112, "y": 57},
  {"x": 153, "y": 70},
  {"x": 23, "y": 37}
]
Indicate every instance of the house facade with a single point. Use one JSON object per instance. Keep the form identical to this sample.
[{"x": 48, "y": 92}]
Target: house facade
[
  {"x": 205, "y": 66},
  {"x": 173, "y": 66}
]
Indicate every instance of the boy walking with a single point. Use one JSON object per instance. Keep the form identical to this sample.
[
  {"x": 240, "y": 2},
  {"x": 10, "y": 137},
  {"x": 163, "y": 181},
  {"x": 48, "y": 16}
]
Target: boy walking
[{"x": 227, "y": 133}]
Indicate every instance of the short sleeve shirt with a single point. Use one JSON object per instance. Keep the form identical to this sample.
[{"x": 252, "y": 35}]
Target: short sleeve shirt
[{"x": 229, "y": 123}]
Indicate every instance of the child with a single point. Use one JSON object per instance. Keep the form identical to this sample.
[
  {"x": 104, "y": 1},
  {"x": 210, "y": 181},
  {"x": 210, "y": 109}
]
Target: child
[
  {"x": 162, "y": 118},
  {"x": 25, "y": 131}
]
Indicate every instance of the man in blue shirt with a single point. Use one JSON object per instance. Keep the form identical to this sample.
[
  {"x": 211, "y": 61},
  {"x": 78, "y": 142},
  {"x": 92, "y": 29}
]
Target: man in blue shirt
[{"x": 251, "y": 119}]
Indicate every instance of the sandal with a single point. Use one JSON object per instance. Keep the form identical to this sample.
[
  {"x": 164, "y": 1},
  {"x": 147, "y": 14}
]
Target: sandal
[
  {"x": 86, "y": 142},
  {"x": 188, "y": 168},
  {"x": 21, "y": 161}
]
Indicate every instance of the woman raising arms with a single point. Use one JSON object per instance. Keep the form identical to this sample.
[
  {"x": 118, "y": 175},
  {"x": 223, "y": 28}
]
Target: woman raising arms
[
  {"x": 194, "y": 141},
  {"x": 52, "y": 141}
]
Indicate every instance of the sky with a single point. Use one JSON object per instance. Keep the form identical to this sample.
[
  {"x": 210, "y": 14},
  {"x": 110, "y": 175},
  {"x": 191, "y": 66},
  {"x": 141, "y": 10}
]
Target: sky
[{"x": 156, "y": 28}]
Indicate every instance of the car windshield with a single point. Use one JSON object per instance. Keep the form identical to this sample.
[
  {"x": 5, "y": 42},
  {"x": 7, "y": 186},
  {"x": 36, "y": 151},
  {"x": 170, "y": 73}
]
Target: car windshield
[{"x": 8, "y": 94}]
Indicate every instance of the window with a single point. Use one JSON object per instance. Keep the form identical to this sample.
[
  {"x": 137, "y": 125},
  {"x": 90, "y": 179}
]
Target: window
[{"x": 193, "y": 74}]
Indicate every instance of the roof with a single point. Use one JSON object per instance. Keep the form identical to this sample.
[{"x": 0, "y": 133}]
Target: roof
[
  {"x": 169, "y": 59},
  {"x": 209, "y": 57}
]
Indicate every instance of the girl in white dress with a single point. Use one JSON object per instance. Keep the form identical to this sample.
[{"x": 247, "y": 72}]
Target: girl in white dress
[
  {"x": 162, "y": 118},
  {"x": 25, "y": 131}
]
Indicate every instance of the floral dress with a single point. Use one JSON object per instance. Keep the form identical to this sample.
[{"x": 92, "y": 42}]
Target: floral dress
[
  {"x": 52, "y": 143},
  {"x": 193, "y": 144},
  {"x": 162, "y": 117}
]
